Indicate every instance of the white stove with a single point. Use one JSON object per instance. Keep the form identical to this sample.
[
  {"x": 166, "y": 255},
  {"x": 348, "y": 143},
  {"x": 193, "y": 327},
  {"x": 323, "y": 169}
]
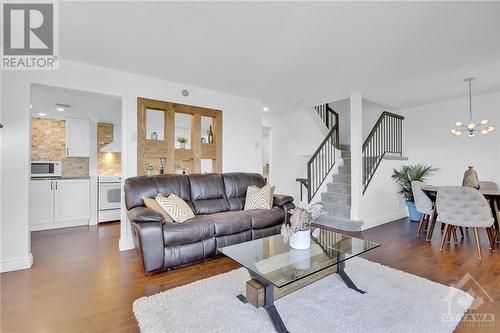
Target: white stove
[{"x": 109, "y": 201}]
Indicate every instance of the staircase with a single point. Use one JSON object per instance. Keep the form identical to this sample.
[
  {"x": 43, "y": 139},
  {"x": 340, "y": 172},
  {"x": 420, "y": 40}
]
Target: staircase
[
  {"x": 337, "y": 198},
  {"x": 383, "y": 142}
]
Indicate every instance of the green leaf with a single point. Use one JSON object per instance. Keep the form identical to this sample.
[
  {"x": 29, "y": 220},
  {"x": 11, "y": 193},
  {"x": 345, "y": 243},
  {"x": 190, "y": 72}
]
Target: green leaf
[{"x": 408, "y": 173}]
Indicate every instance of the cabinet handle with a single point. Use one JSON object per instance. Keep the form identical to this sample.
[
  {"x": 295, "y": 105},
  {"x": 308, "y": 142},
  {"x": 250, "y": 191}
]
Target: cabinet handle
[
  {"x": 56, "y": 185},
  {"x": 51, "y": 186},
  {"x": 67, "y": 151}
]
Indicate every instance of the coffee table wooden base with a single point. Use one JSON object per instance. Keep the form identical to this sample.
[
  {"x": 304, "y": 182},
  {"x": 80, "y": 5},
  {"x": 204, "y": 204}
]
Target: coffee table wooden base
[{"x": 261, "y": 293}]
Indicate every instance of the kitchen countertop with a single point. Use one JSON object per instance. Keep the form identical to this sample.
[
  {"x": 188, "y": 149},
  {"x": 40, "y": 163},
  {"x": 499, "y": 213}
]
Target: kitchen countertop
[{"x": 60, "y": 178}]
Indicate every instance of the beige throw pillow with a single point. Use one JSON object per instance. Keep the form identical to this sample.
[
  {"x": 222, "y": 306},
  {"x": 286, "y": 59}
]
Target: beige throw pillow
[
  {"x": 259, "y": 198},
  {"x": 152, "y": 204},
  {"x": 174, "y": 206}
]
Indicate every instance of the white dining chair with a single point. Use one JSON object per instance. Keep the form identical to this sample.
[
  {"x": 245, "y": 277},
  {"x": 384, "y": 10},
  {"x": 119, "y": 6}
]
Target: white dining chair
[
  {"x": 488, "y": 185},
  {"x": 464, "y": 207},
  {"x": 423, "y": 204}
]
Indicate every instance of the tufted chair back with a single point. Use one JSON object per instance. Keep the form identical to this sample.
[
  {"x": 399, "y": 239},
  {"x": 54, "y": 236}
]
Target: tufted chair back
[
  {"x": 463, "y": 206},
  {"x": 422, "y": 201}
]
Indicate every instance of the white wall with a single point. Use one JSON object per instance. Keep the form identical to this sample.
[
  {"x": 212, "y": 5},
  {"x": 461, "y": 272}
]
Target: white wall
[
  {"x": 342, "y": 107},
  {"x": 294, "y": 136},
  {"x": 371, "y": 113},
  {"x": 381, "y": 202},
  {"x": 356, "y": 119},
  {"x": 428, "y": 139},
  {"x": 242, "y": 131}
]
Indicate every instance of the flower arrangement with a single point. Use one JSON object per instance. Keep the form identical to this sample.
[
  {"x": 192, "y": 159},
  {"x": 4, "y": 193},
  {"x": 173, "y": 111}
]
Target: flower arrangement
[
  {"x": 182, "y": 139},
  {"x": 301, "y": 219}
]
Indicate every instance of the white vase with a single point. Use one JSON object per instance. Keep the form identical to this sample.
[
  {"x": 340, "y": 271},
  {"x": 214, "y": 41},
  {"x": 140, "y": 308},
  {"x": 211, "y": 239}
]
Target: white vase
[
  {"x": 183, "y": 145},
  {"x": 301, "y": 259},
  {"x": 301, "y": 240}
]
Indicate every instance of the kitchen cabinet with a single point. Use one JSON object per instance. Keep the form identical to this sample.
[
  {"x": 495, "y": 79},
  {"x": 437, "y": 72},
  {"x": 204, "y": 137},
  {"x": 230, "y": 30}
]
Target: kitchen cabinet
[
  {"x": 77, "y": 137},
  {"x": 72, "y": 200},
  {"x": 59, "y": 203},
  {"x": 41, "y": 202}
]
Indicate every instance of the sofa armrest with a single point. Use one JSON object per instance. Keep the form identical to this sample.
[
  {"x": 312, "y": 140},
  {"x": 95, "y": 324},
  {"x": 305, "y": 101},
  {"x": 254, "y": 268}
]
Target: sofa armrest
[
  {"x": 144, "y": 214},
  {"x": 147, "y": 230},
  {"x": 281, "y": 200}
]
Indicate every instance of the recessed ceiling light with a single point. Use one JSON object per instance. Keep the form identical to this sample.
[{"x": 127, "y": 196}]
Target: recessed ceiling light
[
  {"x": 265, "y": 109},
  {"x": 296, "y": 100},
  {"x": 62, "y": 107},
  {"x": 41, "y": 114}
]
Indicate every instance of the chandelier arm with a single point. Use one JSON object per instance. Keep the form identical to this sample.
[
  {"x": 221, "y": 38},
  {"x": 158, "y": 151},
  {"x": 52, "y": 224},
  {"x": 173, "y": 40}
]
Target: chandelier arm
[{"x": 470, "y": 102}]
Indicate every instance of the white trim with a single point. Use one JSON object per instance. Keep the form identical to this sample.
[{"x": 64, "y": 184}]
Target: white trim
[
  {"x": 370, "y": 223},
  {"x": 16, "y": 264},
  {"x": 125, "y": 244},
  {"x": 49, "y": 226}
]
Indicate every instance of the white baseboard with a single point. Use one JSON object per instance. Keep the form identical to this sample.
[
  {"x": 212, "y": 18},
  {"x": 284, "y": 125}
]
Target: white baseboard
[
  {"x": 50, "y": 226},
  {"x": 126, "y": 244},
  {"x": 16, "y": 264},
  {"x": 371, "y": 223}
]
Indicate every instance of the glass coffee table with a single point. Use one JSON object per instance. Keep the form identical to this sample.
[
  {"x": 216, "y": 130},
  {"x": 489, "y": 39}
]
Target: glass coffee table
[{"x": 277, "y": 270}]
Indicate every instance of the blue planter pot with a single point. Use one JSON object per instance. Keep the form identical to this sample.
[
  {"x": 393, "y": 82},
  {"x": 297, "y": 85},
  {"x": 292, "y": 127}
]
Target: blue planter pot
[{"x": 412, "y": 211}]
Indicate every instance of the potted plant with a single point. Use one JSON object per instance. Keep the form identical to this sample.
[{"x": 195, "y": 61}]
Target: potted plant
[
  {"x": 404, "y": 176},
  {"x": 297, "y": 231},
  {"x": 182, "y": 141},
  {"x": 149, "y": 169}
]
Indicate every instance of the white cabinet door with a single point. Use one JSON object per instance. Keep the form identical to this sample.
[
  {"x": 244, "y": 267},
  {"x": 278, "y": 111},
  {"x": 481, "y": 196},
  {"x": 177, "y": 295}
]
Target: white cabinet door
[
  {"x": 77, "y": 137},
  {"x": 72, "y": 200},
  {"x": 41, "y": 202}
]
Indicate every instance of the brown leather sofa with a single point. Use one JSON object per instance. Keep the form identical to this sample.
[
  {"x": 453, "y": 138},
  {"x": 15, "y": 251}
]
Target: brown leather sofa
[{"x": 217, "y": 201}]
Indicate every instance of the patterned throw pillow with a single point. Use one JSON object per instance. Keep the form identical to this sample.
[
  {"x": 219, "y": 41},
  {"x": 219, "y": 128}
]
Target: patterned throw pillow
[
  {"x": 259, "y": 198},
  {"x": 177, "y": 208},
  {"x": 154, "y": 205}
]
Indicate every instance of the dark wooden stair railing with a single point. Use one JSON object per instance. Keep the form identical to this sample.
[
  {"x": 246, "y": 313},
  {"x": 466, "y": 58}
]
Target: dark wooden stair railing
[
  {"x": 322, "y": 161},
  {"x": 385, "y": 137}
]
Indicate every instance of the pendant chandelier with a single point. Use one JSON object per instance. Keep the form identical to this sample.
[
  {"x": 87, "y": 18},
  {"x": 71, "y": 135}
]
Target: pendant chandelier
[{"x": 471, "y": 127}]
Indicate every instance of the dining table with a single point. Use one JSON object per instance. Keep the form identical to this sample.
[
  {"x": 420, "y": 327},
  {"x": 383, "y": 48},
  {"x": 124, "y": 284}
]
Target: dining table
[{"x": 491, "y": 195}]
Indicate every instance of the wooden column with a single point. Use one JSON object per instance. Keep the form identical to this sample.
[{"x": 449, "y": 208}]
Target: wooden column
[
  {"x": 217, "y": 129},
  {"x": 196, "y": 142}
]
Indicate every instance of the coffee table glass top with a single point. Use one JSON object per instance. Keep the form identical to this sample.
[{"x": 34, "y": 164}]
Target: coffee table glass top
[{"x": 277, "y": 263}]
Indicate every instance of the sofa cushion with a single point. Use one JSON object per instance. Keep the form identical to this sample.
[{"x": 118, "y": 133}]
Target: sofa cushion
[
  {"x": 227, "y": 240},
  {"x": 207, "y": 194},
  {"x": 193, "y": 230},
  {"x": 187, "y": 253},
  {"x": 228, "y": 223},
  {"x": 136, "y": 188},
  {"x": 236, "y": 184},
  {"x": 262, "y": 218}
]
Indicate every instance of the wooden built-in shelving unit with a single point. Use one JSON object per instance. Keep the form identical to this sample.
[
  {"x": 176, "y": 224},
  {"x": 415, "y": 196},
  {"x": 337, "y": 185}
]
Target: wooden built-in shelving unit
[{"x": 151, "y": 151}]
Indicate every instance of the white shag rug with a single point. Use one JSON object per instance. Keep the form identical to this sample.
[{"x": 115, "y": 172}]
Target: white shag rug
[{"x": 395, "y": 301}]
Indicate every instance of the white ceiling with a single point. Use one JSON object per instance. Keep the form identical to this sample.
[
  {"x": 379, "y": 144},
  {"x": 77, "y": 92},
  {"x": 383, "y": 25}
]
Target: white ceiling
[
  {"x": 97, "y": 107},
  {"x": 397, "y": 54}
]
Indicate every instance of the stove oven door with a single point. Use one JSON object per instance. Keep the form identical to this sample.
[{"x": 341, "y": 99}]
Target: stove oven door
[{"x": 109, "y": 196}]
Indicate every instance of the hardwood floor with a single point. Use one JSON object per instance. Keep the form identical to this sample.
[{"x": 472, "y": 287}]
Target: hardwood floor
[{"x": 80, "y": 282}]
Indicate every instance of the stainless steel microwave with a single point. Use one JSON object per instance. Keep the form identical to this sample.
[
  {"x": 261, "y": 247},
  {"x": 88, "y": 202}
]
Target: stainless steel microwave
[{"x": 46, "y": 169}]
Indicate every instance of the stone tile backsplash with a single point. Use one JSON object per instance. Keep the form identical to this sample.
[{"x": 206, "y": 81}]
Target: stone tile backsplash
[
  {"x": 48, "y": 142},
  {"x": 108, "y": 164}
]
